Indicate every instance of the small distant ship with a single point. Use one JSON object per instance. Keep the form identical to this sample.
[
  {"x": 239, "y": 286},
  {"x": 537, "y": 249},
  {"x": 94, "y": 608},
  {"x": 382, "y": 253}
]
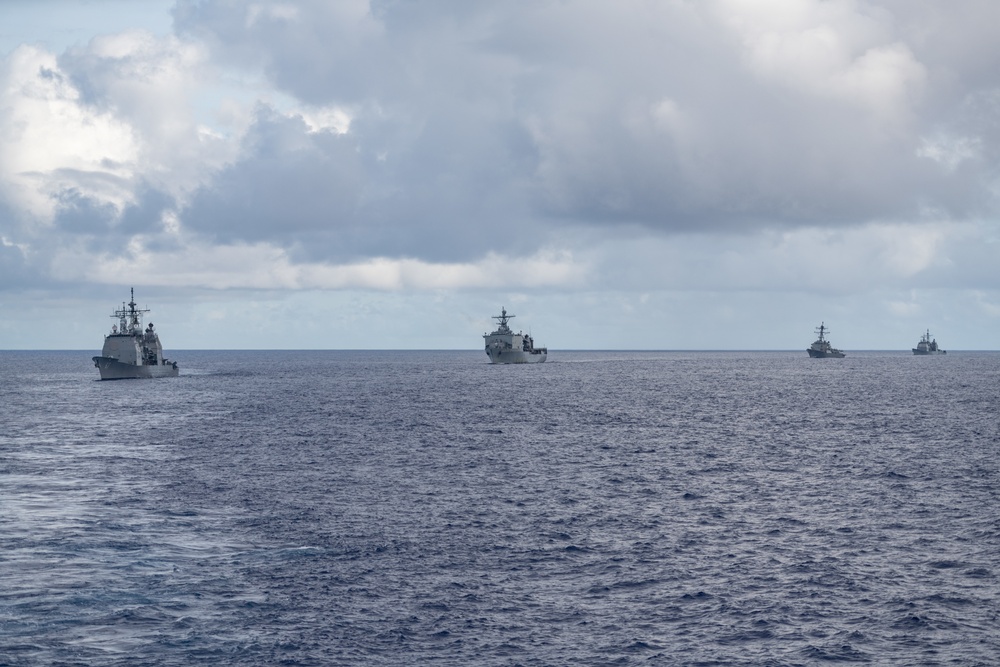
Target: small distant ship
[
  {"x": 928, "y": 346},
  {"x": 131, "y": 352},
  {"x": 822, "y": 349},
  {"x": 503, "y": 346}
]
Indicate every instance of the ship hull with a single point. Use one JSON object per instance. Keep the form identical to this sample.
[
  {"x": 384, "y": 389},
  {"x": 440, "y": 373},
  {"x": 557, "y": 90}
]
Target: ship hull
[
  {"x": 922, "y": 353},
  {"x": 817, "y": 354},
  {"x": 516, "y": 356},
  {"x": 112, "y": 369}
]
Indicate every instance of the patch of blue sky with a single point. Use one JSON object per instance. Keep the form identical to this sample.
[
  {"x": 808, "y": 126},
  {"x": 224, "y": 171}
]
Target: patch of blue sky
[{"x": 57, "y": 25}]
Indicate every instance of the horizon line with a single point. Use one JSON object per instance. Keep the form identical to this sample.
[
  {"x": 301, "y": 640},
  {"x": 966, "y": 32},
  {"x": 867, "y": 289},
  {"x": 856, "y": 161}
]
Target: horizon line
[{"x": 391, "y": 349}]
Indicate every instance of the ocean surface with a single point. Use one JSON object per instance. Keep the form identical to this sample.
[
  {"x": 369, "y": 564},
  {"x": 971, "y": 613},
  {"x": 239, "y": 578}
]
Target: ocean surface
[{"x": 411, "y": 508}]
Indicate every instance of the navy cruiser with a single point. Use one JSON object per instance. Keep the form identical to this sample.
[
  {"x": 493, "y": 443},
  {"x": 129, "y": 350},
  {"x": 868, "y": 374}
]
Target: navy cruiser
[
  {"x": 822, "y": 349},
  {"x": 503, "y": 346},
  {"x": 131, "y": 352},
  {"x": 927, "y": 345}
]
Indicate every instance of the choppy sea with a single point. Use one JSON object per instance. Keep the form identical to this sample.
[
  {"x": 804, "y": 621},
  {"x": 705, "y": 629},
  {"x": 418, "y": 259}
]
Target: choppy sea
[{"x": 409, "y": 508}]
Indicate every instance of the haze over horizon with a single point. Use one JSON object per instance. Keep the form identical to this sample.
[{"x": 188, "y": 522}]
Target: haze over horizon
[{"x": 305, "y": 174}]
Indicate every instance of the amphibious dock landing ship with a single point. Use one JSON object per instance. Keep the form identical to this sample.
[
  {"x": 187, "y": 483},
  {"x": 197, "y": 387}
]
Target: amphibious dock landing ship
[{"x": 503, "y": 346}]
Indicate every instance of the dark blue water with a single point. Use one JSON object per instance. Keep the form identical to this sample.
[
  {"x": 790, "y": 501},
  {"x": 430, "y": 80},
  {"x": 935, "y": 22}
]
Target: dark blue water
[{"x": 400, "y": 508}]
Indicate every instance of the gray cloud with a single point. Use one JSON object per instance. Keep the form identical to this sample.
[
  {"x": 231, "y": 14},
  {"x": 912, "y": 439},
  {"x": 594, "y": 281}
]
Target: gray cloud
[
  {"x": 629, "y": 147},
  {"x": 288, "y": 183},
  {"x": 341, "y": 196},
  {"x": 623, "y": 113},
  {"x": 15, "y": 272}
]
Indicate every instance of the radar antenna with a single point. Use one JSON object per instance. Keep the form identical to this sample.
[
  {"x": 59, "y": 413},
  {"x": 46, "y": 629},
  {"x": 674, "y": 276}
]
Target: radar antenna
[
  {"x": 130, "y": 317},
  {"x": 504, "y": 318}
]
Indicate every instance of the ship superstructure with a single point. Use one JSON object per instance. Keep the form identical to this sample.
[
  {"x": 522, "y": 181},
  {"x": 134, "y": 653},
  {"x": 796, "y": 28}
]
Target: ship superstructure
[
  {"x": 131, "y": 351},
  {"x": 928, "y": 345},
  {"x": 503, "y": 346},
  {"x": 821, "y": 348}
]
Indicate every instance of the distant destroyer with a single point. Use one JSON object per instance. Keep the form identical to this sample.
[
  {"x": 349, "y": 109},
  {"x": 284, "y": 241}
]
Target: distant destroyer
[
  {"x": 503, "y": 346},
  {"x": 130, "y": 352},
  {"x": 928, "y": 346},
  {"x": 822, "y": 349}
]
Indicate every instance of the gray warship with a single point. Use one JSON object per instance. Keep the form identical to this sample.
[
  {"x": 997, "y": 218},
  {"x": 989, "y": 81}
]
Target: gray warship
[
  {"x": 928, "y": 346},
  {"x": 821, "y": 349},
  {"x": 131, "y": 352},
  {"x": 503, "y": 346}
]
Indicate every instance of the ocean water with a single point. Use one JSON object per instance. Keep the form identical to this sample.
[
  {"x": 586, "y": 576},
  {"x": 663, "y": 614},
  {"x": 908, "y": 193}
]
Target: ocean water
[{"x": 402, "y": 508}]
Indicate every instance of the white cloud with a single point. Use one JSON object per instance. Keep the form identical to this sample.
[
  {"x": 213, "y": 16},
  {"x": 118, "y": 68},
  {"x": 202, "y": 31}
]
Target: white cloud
[
  {"x": 831, "y": 48},
  {"x": 280, "y": 12},
  {"x": 263, "y": 266},
  {"x": 327, "y": 119},
  {"x": 643, "y": 155},
  {"x": 52, "y": 142},
  {"x": 950, "y": 151},
  {"x": 105, "y": 122},
  {"x": 157, "y": 85}
]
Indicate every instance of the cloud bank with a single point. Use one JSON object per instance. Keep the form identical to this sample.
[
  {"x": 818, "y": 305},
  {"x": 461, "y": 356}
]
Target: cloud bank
[{"x": 830, "y": 145}]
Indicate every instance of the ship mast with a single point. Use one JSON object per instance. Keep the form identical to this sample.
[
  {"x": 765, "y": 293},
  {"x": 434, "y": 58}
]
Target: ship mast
[
  {"x": 503, "y": 317},
  {"x": 130, "y": 319},
  {"x": 820, "y": 331}
]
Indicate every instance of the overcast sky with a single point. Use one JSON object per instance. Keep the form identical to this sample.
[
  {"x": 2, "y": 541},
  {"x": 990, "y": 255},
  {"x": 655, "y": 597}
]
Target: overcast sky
[{"x": 686, "y": 174}]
